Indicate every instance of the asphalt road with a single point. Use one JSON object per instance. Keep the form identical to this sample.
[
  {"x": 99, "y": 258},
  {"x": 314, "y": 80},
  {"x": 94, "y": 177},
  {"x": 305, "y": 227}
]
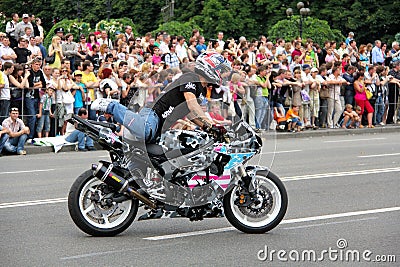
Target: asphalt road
[{"x": 343, "y": 200}]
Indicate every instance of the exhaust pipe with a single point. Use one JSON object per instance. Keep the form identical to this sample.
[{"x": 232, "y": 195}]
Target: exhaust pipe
[{"x": 106, "y": 175}]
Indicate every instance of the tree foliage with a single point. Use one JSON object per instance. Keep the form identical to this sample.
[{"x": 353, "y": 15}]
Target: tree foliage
[
  {"x": 313, "y": 28},
  {"x": 79, "y": 27},
  {"x": 368, "y": 19},
  {"x": 178, "y": 28}
]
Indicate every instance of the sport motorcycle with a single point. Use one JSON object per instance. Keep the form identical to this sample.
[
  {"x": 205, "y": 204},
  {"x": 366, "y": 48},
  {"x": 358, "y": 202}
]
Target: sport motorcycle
[{"x": 190, "y": 174}]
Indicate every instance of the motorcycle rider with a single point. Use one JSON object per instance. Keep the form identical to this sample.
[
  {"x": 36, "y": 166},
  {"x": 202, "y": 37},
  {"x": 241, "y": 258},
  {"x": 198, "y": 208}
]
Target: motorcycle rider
[{"x": 179, "y": 99}]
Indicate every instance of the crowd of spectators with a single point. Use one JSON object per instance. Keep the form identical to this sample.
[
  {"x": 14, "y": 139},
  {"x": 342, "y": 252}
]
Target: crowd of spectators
[{"x": 283, "y": 85}]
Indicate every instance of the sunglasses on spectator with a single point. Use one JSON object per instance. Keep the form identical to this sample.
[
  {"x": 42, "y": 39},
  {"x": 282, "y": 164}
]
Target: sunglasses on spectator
[
  {"x": 64, "y": 70},
  {"x": 14, "y": 109}
]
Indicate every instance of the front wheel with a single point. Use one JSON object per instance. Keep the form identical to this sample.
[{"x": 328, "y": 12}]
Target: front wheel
[
  {"x": 91, "y": 206},
  {"x": 262, "y": 215}
]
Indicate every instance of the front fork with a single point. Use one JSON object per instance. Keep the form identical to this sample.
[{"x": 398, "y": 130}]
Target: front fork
[{"x": 246, "y": 179}]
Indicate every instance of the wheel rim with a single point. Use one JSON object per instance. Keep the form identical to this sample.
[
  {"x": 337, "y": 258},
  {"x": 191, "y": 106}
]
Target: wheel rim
[
  {"x": 96, "y": 214},
  {"x": 262, "y": 214}
]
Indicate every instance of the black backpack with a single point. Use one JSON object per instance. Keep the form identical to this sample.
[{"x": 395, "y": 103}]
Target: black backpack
[{"x": 164, "y": 55}]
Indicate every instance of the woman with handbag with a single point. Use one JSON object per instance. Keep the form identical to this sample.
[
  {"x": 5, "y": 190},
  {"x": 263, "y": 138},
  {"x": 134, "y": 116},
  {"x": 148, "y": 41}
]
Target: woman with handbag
[
  {"x": 361, "y": 97},
  {"x": 55, "y": 53},
  {"x": 65, "y": 84},
  {"x": 18, "y": 81}
]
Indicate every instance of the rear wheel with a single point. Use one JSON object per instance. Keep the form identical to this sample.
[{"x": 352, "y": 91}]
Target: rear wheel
[
  {"x": 262, "y": 215},
  {"x": 91, "y": 206}
]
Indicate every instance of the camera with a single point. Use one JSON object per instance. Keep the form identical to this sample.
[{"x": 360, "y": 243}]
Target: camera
[{"x": 213, "y": 41}]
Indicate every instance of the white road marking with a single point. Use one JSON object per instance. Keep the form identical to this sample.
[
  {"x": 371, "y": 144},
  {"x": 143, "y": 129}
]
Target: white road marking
[
  {"x": 119, "y": 251},
  {"x": 32, "y": 203},
  {"x": 286, "y": 179},
  {"x": 339, "y": 174},
  {"x": 379, "y": 155},
  {"x": 354, "y": 140},
  {"x": 289, "y": 221},
  {"x": 280, "y": 152},
  {"x": 28, "y": 171},
  {"x": 329, "y": 223}
]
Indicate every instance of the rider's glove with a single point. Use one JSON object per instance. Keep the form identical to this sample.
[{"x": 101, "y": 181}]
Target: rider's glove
[{"x": 218, "y": 131}]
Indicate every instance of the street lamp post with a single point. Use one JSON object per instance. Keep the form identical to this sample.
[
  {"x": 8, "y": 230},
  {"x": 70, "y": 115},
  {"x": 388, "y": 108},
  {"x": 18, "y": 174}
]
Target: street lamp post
[
  {"x": 108, "y": 9},
  {"x": 303, "y": 13}
]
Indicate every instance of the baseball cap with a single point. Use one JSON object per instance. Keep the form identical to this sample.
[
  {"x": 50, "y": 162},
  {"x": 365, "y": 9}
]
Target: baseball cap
[
  {"x": 60, "y": 29},
  {"x": 314, "y": 70},
  {"x": 78, "y": 72},
  {"x": 25, "y": 16},
  {"x": 306, "y": 66}
]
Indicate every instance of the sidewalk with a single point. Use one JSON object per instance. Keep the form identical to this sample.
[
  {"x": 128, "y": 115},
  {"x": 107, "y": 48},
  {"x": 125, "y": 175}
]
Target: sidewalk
[
  {"x": 333, "y": 132},
  {"x": 31, "y": 149}
]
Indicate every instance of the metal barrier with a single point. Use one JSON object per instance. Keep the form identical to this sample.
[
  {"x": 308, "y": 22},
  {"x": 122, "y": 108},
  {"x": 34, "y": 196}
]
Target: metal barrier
[{"x": 20, "y": 103}]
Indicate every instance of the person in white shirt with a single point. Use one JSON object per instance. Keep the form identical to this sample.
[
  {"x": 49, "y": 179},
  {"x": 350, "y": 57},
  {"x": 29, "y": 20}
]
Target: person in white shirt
[
  {"x": 35, "y": 50},
  {"x": 220, "y": 38},
  {"x": 7, "y": 54},
  {"x": 20, "y": 28},
  {"x": 280, "y": 49},
  {"x": 180, "y": 49},
  {"x": 5, "y": 93},
  {"x": 164, "y": 44},
  {"x": 342, "y": 49},
  {"x": 10, "y": 29},
  {"x": 105, "y": 40},
  {"x": 252, "y": 54},
  {"x": 335, "y": 81}
]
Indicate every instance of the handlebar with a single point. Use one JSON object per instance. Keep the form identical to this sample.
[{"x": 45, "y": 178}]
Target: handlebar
[
  {"x": 84, "y": 125},
  {"x": 112, "y": 126}
]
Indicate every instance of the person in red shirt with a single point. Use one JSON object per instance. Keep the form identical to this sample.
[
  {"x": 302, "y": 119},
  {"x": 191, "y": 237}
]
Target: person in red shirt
[
  {"x": 298, "y": 51},
  {"x": 215, "y": 114}
]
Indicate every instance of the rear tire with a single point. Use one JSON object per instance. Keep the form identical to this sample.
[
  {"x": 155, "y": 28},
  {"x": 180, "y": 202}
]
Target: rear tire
[
  {"x": 92, "y": 217},
  {"x": 261, "y": 218}
]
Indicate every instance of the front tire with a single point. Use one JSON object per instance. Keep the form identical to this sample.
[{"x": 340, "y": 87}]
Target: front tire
[
  {"x": 263, "y": 217},
  {"x": 91, "y": 215}
]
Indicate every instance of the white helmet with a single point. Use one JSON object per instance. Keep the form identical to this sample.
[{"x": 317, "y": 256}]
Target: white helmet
[{"x": 212, "y": 66}]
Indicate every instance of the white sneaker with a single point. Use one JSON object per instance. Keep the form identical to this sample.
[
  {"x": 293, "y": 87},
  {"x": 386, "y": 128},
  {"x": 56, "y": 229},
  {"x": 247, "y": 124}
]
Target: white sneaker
[
  {"x": 21, "y": 152},
  {"x": 381, "y": 124},
  {"x": 100, "y": 104}
]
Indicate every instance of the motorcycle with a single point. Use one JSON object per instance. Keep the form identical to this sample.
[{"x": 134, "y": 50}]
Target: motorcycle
[{"x": 190, "y": 174}]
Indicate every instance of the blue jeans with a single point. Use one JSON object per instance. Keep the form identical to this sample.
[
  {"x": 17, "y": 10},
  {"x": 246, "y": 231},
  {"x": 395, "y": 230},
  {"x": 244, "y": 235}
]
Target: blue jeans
[
  {"x": 379, "y": 109},
  {"x": 4, "y": 109},
  {"x": 3, "y": 139},
  {"x": 80, "y": 137},
  {"x": 44, "y": 121},
  {"x": 31, "y": 105},
  {"x": 261, "y": 106},
  {"x": 76, "y": 110},
  {"x": 92, "y": 113},
  {"x": 143, "y": 125},
  {"x": 16, "y": 144},
  {"x": 349, "y": 97}
]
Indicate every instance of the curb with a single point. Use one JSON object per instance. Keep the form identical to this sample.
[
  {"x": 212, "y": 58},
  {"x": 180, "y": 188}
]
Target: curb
[
  {"x": 31, "y": 149},
  {"x": 333, "y": 132}
]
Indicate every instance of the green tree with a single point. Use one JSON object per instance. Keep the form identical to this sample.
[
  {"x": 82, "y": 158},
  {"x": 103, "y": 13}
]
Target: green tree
[
  {"x": 316, "y": 29},
  {"x": 70, "y": 26},
  {"x": 116, "y": 26},
  {"x": 178, "y": 28},
  {"x": 233, "y": 17}
]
